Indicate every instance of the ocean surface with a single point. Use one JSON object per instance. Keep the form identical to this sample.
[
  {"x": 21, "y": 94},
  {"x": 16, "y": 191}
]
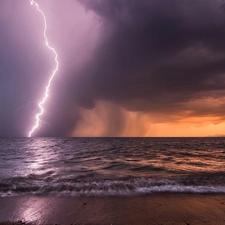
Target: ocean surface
[{"x": 111, "y": 166}]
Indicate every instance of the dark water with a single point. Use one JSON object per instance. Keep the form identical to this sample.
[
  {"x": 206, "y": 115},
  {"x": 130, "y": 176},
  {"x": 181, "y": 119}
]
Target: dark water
[{"x": 111, "y": 166}]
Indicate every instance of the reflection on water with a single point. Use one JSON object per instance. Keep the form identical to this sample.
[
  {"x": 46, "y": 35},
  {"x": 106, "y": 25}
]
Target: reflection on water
[
  {"x": 103, "y": 157},
  {"x": 41, "y": 165}
]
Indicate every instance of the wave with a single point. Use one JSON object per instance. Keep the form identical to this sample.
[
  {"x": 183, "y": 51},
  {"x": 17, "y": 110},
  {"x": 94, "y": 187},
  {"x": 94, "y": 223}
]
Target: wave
[{"x": 107, "y": 188}]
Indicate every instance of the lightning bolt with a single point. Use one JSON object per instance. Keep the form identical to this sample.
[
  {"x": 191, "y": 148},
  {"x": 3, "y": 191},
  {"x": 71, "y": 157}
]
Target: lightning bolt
[{"x": 46, "y": 94}]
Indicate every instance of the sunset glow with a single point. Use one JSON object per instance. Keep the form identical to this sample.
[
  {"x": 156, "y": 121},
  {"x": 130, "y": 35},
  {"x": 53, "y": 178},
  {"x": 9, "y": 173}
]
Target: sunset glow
[{"x": 126, "y": 69}]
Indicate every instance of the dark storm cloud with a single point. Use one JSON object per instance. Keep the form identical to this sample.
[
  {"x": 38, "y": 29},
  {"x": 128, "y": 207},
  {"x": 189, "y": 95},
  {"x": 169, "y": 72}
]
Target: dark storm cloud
[
  {"x": 163, "y": 57},
  {"x": 156, "y": 55}
]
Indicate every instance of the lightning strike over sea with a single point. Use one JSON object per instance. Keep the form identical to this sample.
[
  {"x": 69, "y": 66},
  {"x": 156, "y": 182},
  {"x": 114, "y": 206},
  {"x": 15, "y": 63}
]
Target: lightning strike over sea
[{"x": 46, "y": 94}]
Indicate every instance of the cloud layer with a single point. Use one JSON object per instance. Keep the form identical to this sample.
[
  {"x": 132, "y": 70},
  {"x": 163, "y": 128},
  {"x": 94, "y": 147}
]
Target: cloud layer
[
  {"x": 125, "y": 65},
  {"x": 158, "y": 57}
]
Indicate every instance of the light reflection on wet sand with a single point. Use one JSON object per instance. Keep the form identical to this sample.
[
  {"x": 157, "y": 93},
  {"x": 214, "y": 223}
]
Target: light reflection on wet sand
[{"x": 153, "y": 209}]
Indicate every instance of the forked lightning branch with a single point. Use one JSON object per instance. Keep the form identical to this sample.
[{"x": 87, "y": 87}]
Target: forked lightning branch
[{"x": 46, "y": 93}]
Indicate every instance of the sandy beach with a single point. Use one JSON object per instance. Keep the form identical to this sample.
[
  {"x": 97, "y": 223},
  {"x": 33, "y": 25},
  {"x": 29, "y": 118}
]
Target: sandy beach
[{"x": 166, "y": 209}]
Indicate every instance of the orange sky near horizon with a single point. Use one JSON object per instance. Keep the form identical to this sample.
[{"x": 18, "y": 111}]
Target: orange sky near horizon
[{"x": 110, "y": 120}]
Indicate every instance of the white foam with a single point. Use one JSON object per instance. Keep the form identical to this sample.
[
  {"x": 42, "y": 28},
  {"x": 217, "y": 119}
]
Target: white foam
[{"x": 111, "y": 188}]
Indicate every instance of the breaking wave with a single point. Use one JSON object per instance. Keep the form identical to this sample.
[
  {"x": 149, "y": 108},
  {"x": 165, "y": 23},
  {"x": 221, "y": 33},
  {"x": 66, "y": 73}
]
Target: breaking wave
[{"x": 107, "y": 188}]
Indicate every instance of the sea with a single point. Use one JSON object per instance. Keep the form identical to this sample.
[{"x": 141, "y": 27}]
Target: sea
[{"x": 111, "y": 166}]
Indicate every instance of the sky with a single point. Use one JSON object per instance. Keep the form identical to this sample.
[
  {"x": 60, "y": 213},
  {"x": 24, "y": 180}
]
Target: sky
[{"x": 149, "y": 68}]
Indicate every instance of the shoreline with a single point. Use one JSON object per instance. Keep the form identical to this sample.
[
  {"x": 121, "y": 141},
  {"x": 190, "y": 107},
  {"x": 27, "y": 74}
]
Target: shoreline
[{"x": 166, "y": 209}]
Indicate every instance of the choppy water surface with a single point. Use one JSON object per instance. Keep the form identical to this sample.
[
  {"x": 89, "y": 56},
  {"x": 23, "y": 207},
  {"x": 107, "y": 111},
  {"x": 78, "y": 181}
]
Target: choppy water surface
[{"x": 111, "y": 166}]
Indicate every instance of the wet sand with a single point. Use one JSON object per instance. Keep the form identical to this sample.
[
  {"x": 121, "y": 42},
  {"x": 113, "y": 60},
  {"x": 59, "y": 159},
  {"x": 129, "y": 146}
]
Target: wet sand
[{"x": 162, "y": 209}]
